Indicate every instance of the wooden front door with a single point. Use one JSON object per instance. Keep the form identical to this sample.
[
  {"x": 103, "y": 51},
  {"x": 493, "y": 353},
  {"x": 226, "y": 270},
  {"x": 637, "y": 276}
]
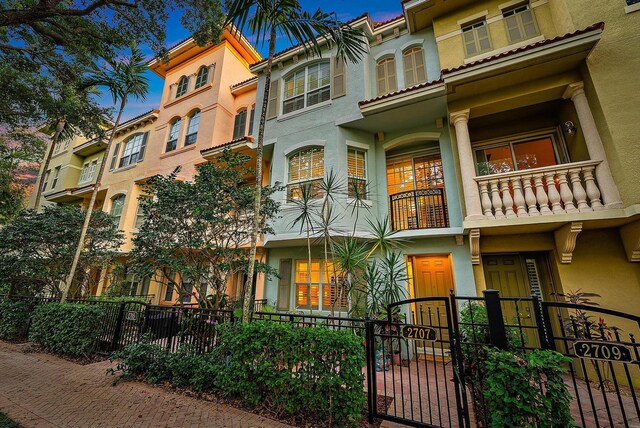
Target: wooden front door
[{"x": 432, "y": 277}]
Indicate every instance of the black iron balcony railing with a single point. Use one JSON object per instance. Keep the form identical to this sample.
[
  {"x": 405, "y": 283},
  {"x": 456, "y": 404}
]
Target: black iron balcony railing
[{"x": 419, "y": 209}]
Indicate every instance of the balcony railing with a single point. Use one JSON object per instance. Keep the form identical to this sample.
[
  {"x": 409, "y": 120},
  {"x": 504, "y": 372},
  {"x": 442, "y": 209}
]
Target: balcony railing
[
  {"x": 419, "y": 209},
  {"x": 557, "y": 189}
]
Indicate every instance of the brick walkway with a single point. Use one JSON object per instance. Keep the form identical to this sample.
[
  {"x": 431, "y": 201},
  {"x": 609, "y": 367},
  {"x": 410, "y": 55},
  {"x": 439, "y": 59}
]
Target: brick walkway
[{"x": 39, "y": 390}]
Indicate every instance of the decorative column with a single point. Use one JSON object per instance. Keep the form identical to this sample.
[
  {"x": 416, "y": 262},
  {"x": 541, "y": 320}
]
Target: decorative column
[
  {"x": 460, "y": 121},
  {"x": 608, "y": 188}
]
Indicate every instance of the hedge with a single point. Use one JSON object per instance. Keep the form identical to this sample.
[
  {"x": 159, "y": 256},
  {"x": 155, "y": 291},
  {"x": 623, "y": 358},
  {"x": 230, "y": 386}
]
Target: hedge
[
  {"x": 66, "y": 328},
  {"x": 14, "y": 319},
  {"x": 315, "y": 373}
]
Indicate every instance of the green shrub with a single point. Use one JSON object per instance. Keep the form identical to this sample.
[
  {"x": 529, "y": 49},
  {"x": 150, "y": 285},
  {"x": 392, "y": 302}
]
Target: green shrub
[
  {"x": 14, "y": 319},
  {"x": 309, "y": 371},
  {"x": 66, "y": 328},
  {"x": 143, "y": 359},
  {"x": 183, "y": 366},
  {"x": 527, "y": 392}
]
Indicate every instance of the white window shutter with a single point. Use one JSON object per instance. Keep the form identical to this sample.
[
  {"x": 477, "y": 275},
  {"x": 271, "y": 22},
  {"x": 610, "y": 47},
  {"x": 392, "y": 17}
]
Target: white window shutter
[
  {"x": 274, "y": 99},
  {"x": 339, "y": 78},
  {"x": 114, "y": 157},
  {"x": 143, "y": 146}
]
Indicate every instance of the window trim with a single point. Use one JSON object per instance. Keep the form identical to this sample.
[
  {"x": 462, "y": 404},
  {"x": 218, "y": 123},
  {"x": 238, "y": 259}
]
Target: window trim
[
  {"x": 366, "y": 174},
  {"x": 126, "y": 142},
  {"x": 306, "y": 91},
  {"x": 559, "y": 145},
  {"x": 120, "y": 196},
  {"x": 199, "y": 83},
  {"x": 293, "y": 153},
  {"x": 56, "y": 176},
  {"x": 513, "y": 11},
  {"x": 414, "y": 69}
]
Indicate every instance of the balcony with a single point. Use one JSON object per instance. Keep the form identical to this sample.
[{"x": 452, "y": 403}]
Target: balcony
[
  {"x": 418, "y": 209},
  {"x": 558, "y": 189}
]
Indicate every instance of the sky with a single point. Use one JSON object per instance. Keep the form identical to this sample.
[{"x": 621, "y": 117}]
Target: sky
[{"x": 379, "y": 10}]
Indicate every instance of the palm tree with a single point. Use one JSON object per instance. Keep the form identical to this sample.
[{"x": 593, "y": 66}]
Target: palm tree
[
  {"x": 123, "y": 79},
  {"x": 266, "y": 20}
]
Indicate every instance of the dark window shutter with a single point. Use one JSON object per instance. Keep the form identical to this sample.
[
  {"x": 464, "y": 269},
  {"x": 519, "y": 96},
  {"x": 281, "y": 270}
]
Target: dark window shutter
[
  {"x": 274, "y": 100},
  {"x": 143, "y": 146},
  {"x": 114, "y": 157},
  {"x": 284, "y": 284},
  {"x": 253, "y": 113}
]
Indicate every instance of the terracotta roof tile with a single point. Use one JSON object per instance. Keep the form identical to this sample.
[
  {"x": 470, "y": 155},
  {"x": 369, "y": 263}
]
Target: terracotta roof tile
[
  {"x": 402, "y": 91},
  {"x": 388, "y": 21},
  {"x": 228, "y": 143},
  {"x": 235, "y": 85},
  {"x": 597, "y": 26}
]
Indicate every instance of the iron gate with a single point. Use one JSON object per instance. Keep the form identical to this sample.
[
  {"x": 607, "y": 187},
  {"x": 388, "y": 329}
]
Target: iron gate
[
  {"x": 412, "y": 364},
  {"x": 604, "y": 372},
  {"x": 123, "y": 323}
]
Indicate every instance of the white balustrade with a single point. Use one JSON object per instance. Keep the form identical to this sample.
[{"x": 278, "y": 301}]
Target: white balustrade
[{"x": 551, "y": 190}]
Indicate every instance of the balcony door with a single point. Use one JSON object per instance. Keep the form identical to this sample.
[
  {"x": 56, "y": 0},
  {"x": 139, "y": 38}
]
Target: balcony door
[{"x": 416, "y": 192}]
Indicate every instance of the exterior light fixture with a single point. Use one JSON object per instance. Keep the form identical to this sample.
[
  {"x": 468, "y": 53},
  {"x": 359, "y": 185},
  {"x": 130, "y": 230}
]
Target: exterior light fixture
[{"x": 570, "y": 127}]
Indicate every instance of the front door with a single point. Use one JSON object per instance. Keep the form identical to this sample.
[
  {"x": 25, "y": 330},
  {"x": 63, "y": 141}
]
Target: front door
[{"x": 432, "y": 278}]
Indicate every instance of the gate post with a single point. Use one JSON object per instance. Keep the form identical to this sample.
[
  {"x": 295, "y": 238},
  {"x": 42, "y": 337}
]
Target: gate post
[
  {"x": 118, "y": 329},
  {"x": 370, "y": 346},
  {"x": 543, "y": 322},
  {"x": 497, "y": 330}
]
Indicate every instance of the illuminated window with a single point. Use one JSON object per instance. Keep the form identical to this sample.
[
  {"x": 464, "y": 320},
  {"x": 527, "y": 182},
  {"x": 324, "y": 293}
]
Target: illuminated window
[
  {"x": 320, "y": 279},
  {"x": 386, "y": 76},
  {"x": 509, "y": 156},
  {"x": 306, "y": 171}
]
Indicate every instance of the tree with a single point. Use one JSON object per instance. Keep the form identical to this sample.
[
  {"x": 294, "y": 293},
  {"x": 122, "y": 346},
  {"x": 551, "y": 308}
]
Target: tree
[
  {"x": 199, "y": 229},
  {"x": 123, "y": 79},
  {"x": 46, "y": 42},
  {"x": 17, "y": 152},
  {"x": 36, "y": 248},
  {"x": 266, "y": 20}
]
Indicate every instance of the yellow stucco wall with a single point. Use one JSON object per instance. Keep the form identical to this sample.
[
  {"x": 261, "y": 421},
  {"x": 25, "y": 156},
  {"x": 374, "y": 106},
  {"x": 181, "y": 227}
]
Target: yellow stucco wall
[{"x": 449, "y": 39}]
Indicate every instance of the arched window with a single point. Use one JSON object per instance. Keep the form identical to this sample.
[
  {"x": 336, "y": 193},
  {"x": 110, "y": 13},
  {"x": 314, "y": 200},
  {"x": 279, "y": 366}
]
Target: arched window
[
  {"x": 386, "y": 76},
  {"x": 306, "y": 87},
  {"x": 117, "y": 203},
  {"x": 414, "y": 70},
  {"x": 133, "y": 150},
  {"x": 182, "y": 86},
  {"x": 192, "y": 128},
  {"x": 202, "y": 77},
  {"x": 306, "y": 171},
  {"x": 172, "y": 140},
  {"x": 240, "y": 124}
]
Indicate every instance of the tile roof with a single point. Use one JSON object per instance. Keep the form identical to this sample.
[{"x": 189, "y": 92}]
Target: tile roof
[
  {"x": 235, "y": 85},
  {"x": 596, "y": 26},
  {"x": 402, "y": 91},
  {"x": 228, "y": 143},
  {"x": 388, "y": 21}
]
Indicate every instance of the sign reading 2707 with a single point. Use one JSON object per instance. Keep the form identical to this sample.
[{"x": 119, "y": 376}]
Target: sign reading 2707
[
  {"x": 418, "y": 332},
  {"x": 602, "y": 351}
]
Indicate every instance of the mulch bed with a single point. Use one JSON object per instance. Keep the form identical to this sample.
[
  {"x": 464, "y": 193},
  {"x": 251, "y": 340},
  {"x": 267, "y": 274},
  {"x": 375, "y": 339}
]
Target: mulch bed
[{"x": 29, "y": 348}]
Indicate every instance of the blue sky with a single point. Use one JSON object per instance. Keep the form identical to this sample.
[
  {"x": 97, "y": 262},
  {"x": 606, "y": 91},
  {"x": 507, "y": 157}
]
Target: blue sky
[{"x": 380, "y": 10}]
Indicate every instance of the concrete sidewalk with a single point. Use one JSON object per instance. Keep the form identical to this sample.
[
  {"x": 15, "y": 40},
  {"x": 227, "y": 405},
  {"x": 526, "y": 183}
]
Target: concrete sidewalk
[{"x": 40, "y": 390}]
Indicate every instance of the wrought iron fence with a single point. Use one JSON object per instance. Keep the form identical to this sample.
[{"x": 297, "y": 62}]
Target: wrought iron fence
[{"x": 419, "y": 209}]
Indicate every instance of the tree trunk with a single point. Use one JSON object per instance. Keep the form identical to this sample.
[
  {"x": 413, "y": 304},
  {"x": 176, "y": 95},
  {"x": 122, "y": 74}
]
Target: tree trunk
[
  {"x": 94, "y": 194},
  {"x": 47, "y": 160},
  {"x": 247, "y": 305}
]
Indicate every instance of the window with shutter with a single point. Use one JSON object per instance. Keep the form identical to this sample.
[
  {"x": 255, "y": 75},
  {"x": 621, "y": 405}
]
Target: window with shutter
[
  {"x": 251, "y": 116},
  {"x": 307, "y": 87},
  {"x": 306, "y": 171},
  {"x": 320, "y": 279},
  {"x": 272, "y": 107},
  {"x": 386, "y": 76},
  {"x": 414, "y": 69},
  {"x": 132, "y": 151},
  {"x": 520, "y": 23},
  {"x": 143, "y": 147},
  {"x": 284, "y": 284},
  {"x": 476, "y": 38},
  {"x": 357, "y": 173}
]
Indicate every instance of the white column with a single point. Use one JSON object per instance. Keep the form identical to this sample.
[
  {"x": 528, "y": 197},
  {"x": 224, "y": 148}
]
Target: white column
[
  {"x": 608, "y": 188},
  {"x": 460, "y": 121}
]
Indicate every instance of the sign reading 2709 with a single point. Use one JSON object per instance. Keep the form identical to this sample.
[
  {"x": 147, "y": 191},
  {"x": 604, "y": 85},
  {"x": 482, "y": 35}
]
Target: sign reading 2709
[
  {"x": 602, "y": 351},
  {"x": 418, "y": 332}
]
